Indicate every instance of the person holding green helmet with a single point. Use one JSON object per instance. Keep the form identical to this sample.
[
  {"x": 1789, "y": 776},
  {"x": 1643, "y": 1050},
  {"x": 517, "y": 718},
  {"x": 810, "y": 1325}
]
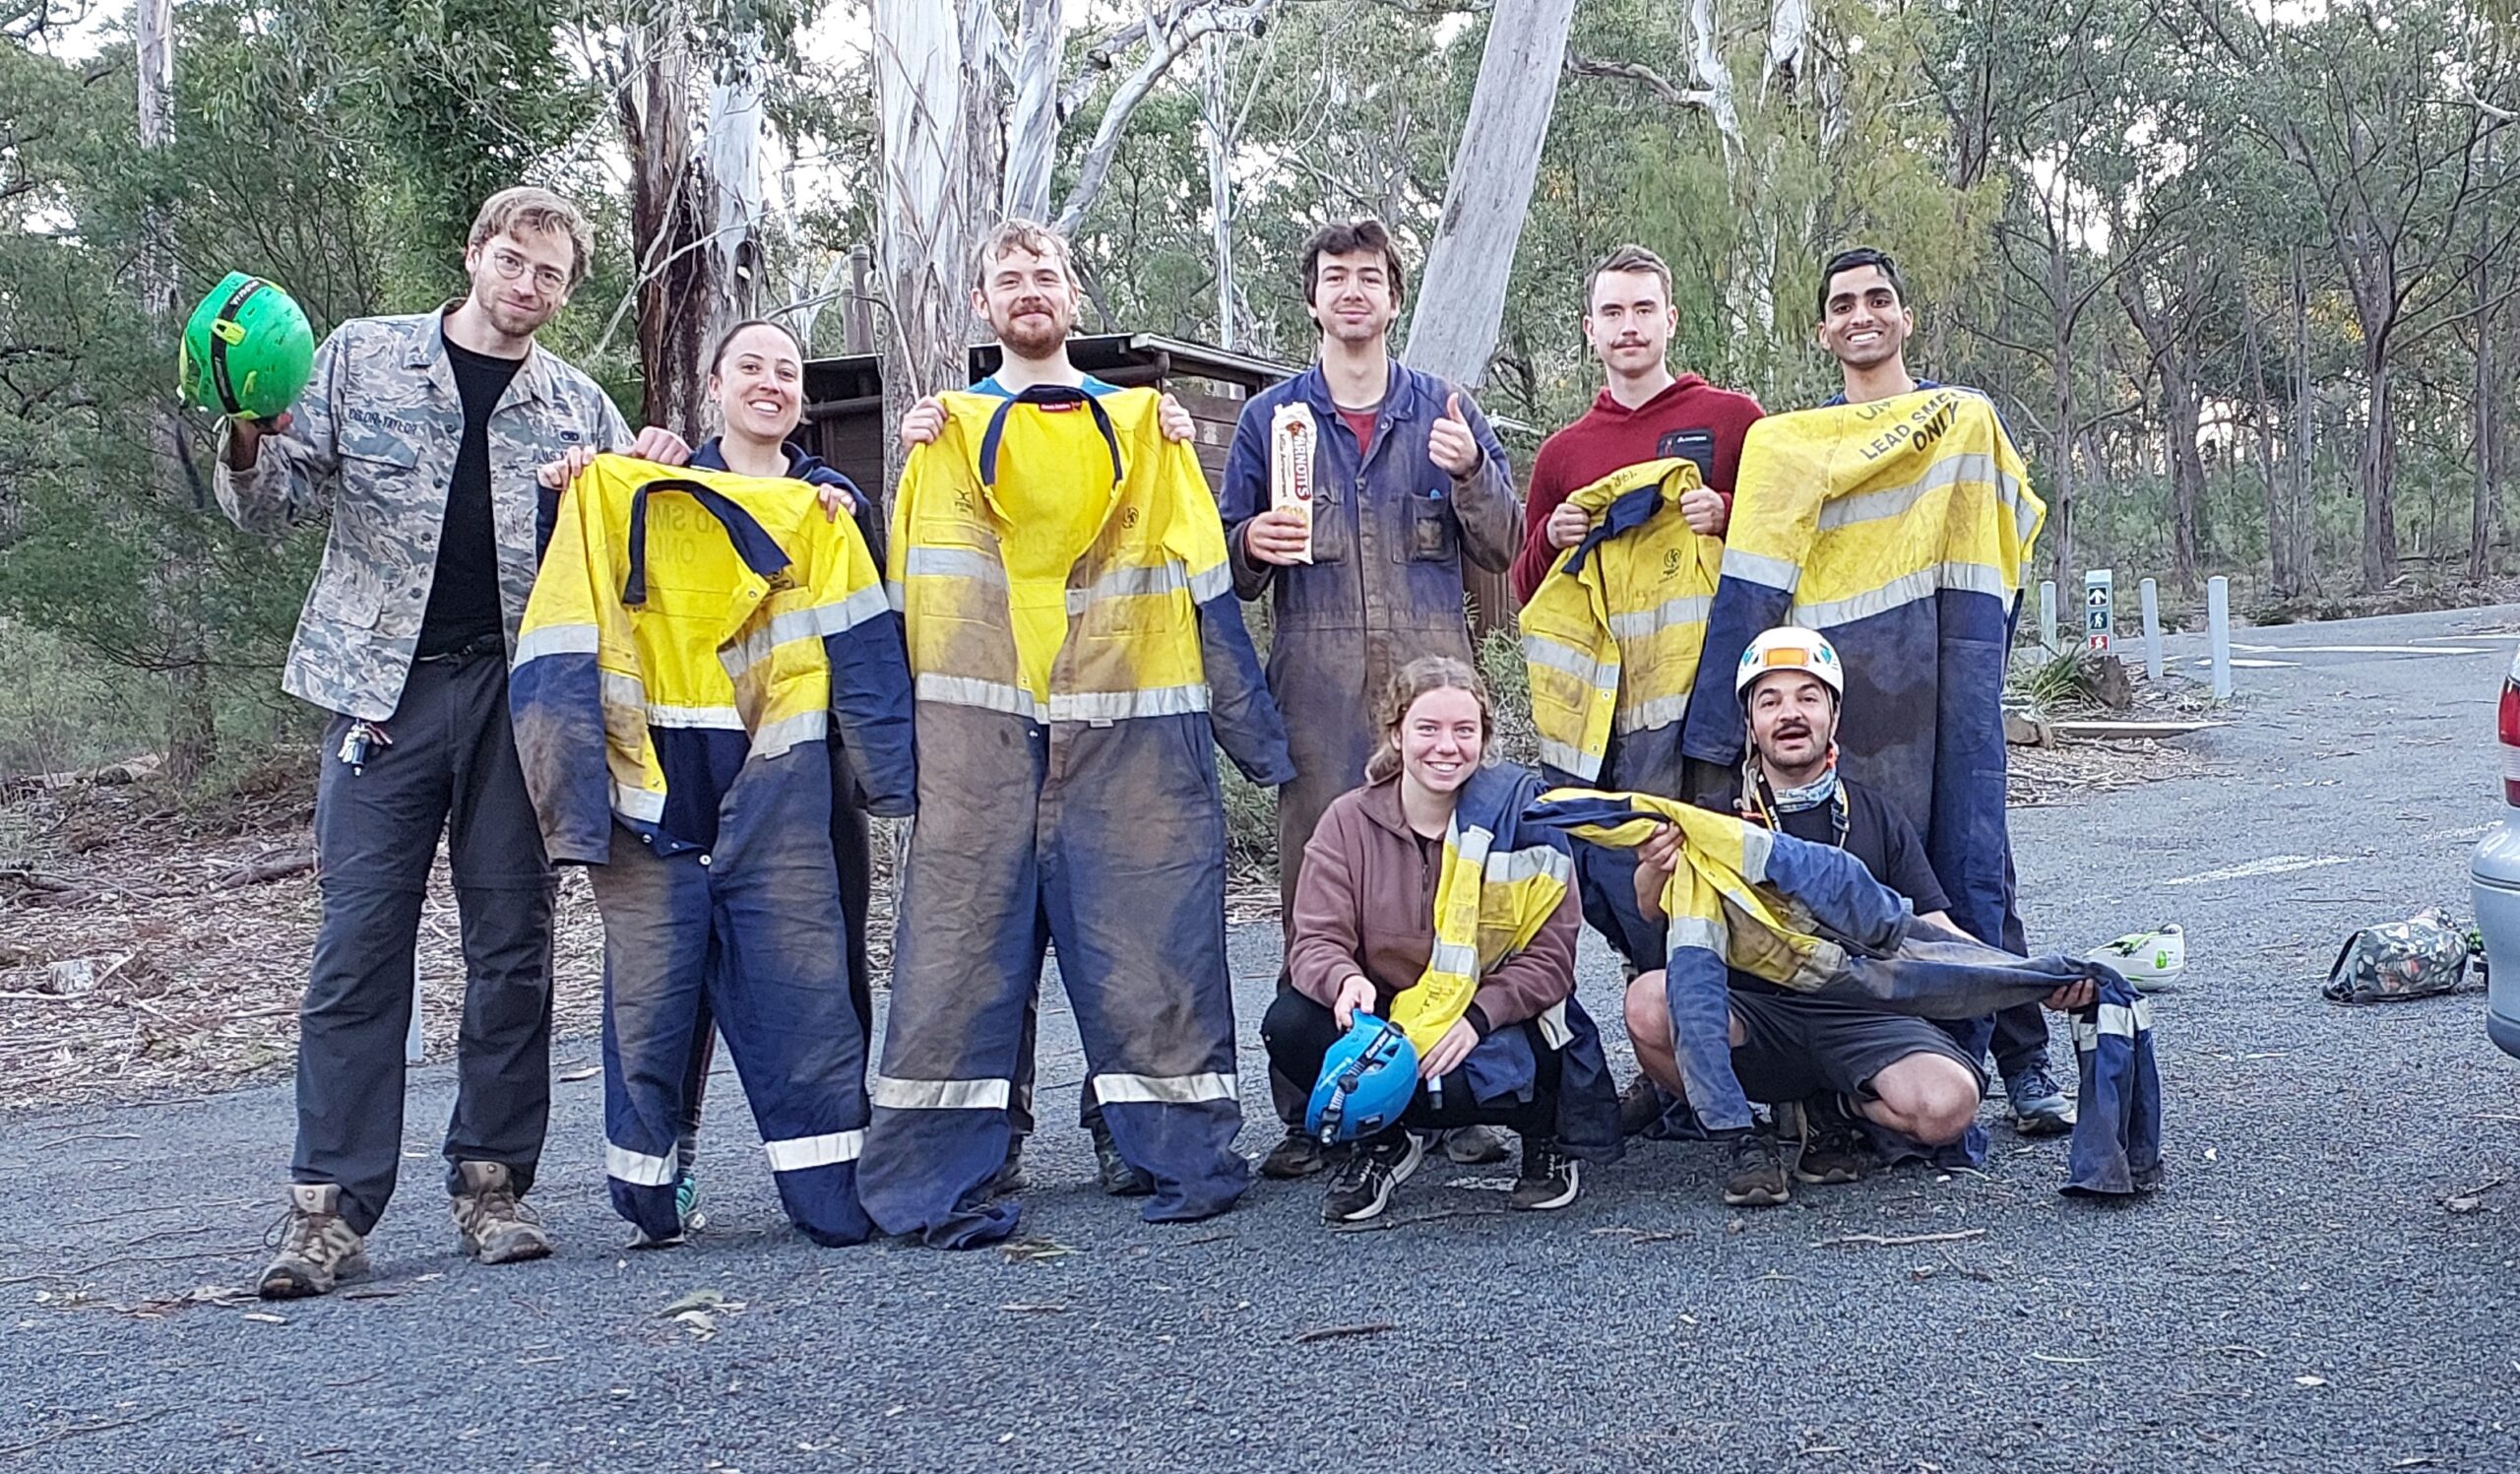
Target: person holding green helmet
[{"x": 421, "y": 436}]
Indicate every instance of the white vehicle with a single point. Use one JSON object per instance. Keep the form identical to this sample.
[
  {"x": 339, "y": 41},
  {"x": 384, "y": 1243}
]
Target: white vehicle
[{"x": 2494, "y": 882}]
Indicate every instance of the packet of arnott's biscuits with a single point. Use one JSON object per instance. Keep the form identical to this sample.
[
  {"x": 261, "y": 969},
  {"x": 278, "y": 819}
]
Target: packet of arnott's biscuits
[{"x": 1291, "y": 435}]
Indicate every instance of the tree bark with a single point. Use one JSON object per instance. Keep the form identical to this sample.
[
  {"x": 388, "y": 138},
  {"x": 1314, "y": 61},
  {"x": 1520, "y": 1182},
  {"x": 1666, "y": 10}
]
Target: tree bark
[
  {"x": 2376, "y": 468},
  {"x": 672, "y": 222},
  {"x": 731, "y": 170},
  {"x": 2253, "y": 363},
  {"x": 1216, "y": 114},
  {"x": 192, "y": 731},
  {"x": 2304, "y": 529},
  {"x": 1452, "y": 330},
  {"x": 924, "y": 235},
  {"x": 1032, "y": 132}
]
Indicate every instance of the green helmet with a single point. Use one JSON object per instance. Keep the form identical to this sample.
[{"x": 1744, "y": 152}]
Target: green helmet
[{"x": 247, "y": 350}]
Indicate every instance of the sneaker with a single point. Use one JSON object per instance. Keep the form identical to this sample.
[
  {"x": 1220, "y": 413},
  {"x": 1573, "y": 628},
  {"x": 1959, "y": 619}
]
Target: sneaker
[
  {"x": 1550, "y": 1178},
  {"x": 2040, "y": 1106},
  {"x": 1010, "y": 1177},
  {"x": 1364, "y": 1183},
  {"x": 1758, "y": 1178},
  {"x": 1834, "y": 1149},
  {"x": 495, "y": 1228},
  {"x": 1474, "y": 1146},
  {"x": 686, "y": 1201},
  {"x": 1640, "y": 1105},
  {"x": 317, "y": 1250},
  {"x": 1298, "y": 1156},
  {"x": 1112, "y": 1172}
]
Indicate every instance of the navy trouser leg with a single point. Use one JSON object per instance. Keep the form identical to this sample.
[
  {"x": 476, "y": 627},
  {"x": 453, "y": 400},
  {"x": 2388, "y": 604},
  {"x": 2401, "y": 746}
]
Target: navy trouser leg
[{"x": 657, "y": 953}]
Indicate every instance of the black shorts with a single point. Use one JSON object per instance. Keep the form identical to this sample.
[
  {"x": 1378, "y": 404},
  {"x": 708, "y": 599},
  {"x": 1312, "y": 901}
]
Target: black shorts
[{"x": 1793, "y": 1047}]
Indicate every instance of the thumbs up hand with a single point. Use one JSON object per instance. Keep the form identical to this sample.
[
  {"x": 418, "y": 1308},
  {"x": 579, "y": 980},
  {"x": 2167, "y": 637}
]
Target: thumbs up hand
[{"x": 1451, "y": 445}]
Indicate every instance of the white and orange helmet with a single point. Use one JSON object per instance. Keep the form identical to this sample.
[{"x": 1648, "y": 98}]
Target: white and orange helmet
[{"x": 1786, "y": 648}]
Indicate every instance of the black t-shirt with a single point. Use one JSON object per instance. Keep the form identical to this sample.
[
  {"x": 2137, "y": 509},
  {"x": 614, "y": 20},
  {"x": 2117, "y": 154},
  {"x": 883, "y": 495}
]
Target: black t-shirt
[
  {"x": 463, "y": 598},
  {"x": 1879, "y": 836}
]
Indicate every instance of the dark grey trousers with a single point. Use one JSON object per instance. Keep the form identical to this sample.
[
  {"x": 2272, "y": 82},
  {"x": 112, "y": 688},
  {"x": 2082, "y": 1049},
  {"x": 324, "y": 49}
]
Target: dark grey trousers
[{"x": 450, "y": 768}]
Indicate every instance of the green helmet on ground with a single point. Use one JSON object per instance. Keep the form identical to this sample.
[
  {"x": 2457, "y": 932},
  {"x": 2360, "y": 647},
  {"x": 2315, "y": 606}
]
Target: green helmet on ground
[{"x": 247, "y": 350}]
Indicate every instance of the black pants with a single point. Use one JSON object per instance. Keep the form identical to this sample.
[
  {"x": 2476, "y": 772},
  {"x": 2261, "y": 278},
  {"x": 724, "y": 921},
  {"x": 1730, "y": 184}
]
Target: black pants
[
  {"x": 853, "y": 853},
  {"x": 451, "y": 767},
  {"x": 2021, "y": 1040},
  {"x": 1299, "y": 1033}
]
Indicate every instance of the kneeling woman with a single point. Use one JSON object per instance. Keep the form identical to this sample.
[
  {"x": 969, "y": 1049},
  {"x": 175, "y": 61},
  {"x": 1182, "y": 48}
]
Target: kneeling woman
[{"x": 1433, "y": 842}]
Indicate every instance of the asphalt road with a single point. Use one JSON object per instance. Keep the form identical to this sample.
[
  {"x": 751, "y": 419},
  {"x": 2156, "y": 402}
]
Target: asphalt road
[{"x": 2299, "y": 1296}]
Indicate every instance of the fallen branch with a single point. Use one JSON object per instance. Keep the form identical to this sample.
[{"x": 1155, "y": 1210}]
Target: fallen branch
[
  {"x": 263, "y": 872},
  {"x": 1897, "y": 1241},
  {"x": 1342, "y": 1332}
]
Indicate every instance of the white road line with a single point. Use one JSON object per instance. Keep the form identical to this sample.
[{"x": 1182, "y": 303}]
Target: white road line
[
  {"x": 2241, "y": 662},
  {"x": 2273, "y": 864},
  {"x": 2362, "y": 649}
]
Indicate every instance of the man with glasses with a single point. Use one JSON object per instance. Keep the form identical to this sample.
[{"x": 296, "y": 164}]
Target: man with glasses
[{"x": 421, "y": 436}]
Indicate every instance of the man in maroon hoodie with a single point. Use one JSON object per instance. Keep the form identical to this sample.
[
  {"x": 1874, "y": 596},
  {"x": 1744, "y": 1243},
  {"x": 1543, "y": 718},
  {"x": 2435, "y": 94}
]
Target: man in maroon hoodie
[{"x": 1644, "y": 413}]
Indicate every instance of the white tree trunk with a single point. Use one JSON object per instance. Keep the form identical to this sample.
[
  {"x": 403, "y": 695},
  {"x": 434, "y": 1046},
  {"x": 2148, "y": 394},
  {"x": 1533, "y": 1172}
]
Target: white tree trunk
[
  {"x": 1168, "y": 39},
  {"x": 1789, "y": 27},
  {"x": 1032, "y": 132},
  {"x": 732, "y": 164},
  {"x": 1714, "y": 78},
  {"x": 191, "y": 731},
  {"x": 922, "y": 229},
  {"x": 1452, "y": 331},
  {"x": 1216, "y": 114}
]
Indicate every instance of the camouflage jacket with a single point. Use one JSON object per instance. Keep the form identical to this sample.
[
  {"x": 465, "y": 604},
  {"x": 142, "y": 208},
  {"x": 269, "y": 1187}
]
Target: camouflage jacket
[{"x": 374, "y": 438}]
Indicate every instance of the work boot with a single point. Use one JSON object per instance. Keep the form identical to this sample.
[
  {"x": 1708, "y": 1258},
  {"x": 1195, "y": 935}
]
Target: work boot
[
  {"x": 1640, "y": 1105},
  {"x": 1010, "y": 1177},
  {"x": 1550, "y": 1178},
  {"x": 1298, "y": 1156},
  {"x": 1758, "y": 1178},
  {"x": 1373, "y": 1170},
  {"x": 1112, "y": 1170},
  {"x": 1474, "y": 1146},
  {"x": 317, "y": 1250},
  {"x": 1834, "y": 1150},
  {"x": 493, "y": 1226},
  {"x": 2040, "y": 1106}
]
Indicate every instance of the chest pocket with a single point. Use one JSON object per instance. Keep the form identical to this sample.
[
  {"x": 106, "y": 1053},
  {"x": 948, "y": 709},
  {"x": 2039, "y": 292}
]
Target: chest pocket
[{"x": 1433, "y": 537}]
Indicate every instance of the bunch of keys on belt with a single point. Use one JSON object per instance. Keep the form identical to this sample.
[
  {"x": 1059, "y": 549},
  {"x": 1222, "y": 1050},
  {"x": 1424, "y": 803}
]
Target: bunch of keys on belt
[{"x": 359, "y": 740}]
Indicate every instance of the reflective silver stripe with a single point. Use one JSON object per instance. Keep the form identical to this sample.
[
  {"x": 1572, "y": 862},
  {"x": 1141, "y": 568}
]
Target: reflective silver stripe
[
  {"x": 554, "y": 639},
  {"x": 710, "y": 718},
  {"x": 1163, "y": 1090},
  {"x": 937, "y": 1095},
  {"x": 1565, "y": 758},
  {"x": 987, "y": 695},
  {"x": 1758, "y": 846},
  {"x": 800, "y": 1152},
  {"x": 637, "y": 802},
  {"x": 621, "y": 688},
  {"x": 1757, "y": 568},
  {"x": 1891, "y": 502},
  {"x": 1121, "y": 583},
  {"x": 778, "y": 736},
  {"x": 1695, "y": 931},
  {"x": 829, "y": 618},
  {"x": 638, "y": 1168},
  {"x": 893, "y": 594},
  {"x": 1210, "y": 583},
  {"x": 2122, "y": 1020},
  {"x": 1583, "y": 667},
  {"x": 1925, "y": 583},
  {"x": 1458, "y": 958},
  {"x": 1648, "y": 716},
  {"x": 1505, "y": 867},
  {"x": 1689, "y": 608},
  {"x": 1121, "y": 706},
  {"x": 952, "y": 562}
]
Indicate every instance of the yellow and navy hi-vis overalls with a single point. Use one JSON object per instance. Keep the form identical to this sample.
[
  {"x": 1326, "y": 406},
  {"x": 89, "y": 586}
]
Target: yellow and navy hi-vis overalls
[
  {"x": 1610, "y": 640},
  {"x": 1077, "y": 648},
  {"x": 690, "y": 639}
]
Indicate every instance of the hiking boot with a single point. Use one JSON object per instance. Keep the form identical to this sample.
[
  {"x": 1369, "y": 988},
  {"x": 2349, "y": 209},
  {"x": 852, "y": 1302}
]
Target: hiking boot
[
  {"x": 2040, "y": 1106},
  {"x": 1640, "y": 1105},
  {"x": 1298, "y": 1156},
  {"x": 493, "y": 1226},
  {"x": 1758, "y": 1178},
  {"x": 1834, "y": 1150},
  {"x": 1112, "y": 1172},
  {"x": 1010, "y": 1177},
  {"x": 317, "y": 1250},
  {"x": 1474, "y": 1146},
  {"x": 1550, "y": 1178},
  {"x": 1363, "y": 1187}
]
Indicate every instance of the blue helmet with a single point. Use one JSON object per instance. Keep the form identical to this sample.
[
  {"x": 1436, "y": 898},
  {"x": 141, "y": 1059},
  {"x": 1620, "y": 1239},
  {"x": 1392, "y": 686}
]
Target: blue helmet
[{"x": 1367, "y": 1080}]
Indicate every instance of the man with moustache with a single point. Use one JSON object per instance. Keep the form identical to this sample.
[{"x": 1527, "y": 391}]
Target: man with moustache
[
  {"x": 1408, "y": 479},
  {"x": 423, "y": 435}
]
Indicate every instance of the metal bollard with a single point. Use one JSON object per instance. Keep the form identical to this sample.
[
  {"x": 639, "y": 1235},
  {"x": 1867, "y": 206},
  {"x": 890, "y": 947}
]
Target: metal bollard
[
  {"x": 2151, "y": 597},
  {"x": 2047, "y": 615},
  {"x": 2218, "y": 633}
]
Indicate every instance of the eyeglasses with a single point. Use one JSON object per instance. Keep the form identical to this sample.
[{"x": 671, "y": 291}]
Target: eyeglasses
[{"x": 510, "y": 266}]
